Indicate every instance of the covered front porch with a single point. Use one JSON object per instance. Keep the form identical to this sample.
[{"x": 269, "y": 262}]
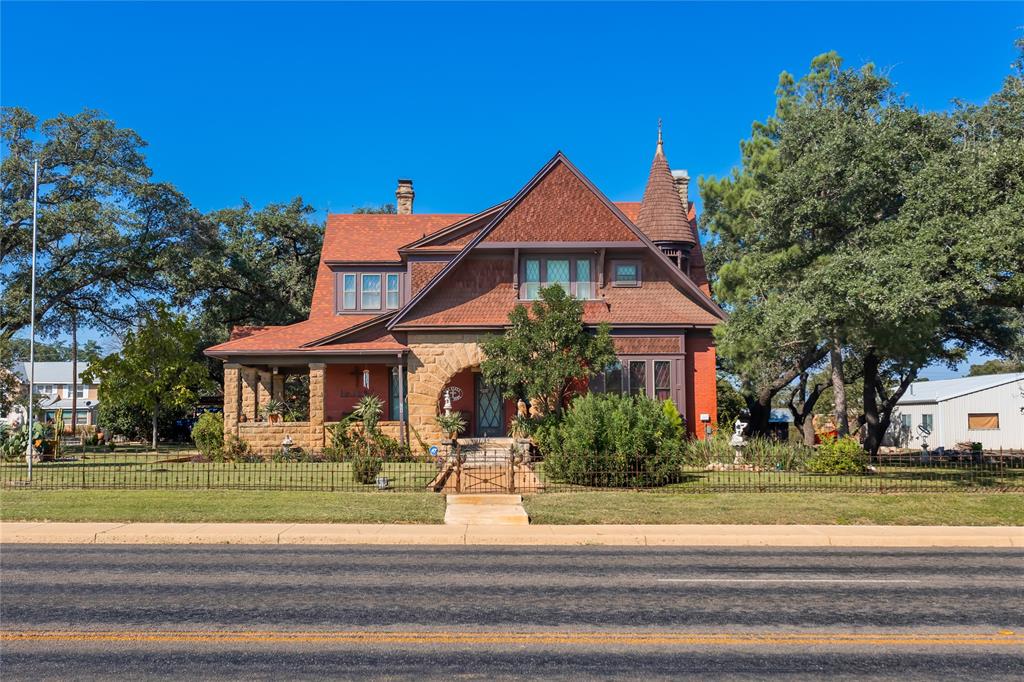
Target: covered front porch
[{"x": 319, "y": 392}]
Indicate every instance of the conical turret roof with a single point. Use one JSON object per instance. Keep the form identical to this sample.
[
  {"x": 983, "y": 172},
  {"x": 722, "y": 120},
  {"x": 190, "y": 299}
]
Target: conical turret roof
[{"x": 662, "y": 217}]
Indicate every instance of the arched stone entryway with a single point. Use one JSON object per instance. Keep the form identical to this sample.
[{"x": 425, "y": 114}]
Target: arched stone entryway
[{"x": 434, "y": 358}]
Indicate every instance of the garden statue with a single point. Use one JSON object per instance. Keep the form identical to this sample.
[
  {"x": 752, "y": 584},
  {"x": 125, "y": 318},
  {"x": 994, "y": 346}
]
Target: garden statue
[
  {"x": 451, "y": 394},
  {"x": 521, "y": 410},
  {"x": 286, "y": 445},
  {"x": 738, "y": 441}
]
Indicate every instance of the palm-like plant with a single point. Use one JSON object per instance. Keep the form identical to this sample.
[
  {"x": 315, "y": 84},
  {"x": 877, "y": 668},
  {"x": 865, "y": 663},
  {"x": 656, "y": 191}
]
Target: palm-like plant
[
  {"x": 368, "y": 410},
  {"x": 451, "y": 424}
]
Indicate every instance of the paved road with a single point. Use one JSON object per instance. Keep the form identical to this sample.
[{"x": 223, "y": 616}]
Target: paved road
[{"x": 280, "y": 612}]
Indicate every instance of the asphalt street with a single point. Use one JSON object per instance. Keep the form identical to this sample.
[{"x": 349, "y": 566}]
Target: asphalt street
[{"x": 290, "y": 612}]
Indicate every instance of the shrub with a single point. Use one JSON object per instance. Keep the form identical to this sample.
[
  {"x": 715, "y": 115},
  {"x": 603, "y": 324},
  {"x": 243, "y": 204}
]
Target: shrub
[
  {"x": 612, "y": 441},
  {"x": 208, "y": 435},
  {"x": 390, "y": 450},
  {"x": 237, "y": 450},
  {"x": 13, "y": 443},
  {"x": 838, "y": 456},
  {"x": 675, "y": 419},
  {"x": 366, "y": 467},
  {"x": 293, "y": 454}
]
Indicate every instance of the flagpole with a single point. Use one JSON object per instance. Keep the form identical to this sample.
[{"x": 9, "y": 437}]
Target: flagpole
[{"x": 32, "y": 322}]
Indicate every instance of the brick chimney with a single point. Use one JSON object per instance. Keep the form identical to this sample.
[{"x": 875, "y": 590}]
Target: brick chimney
[
  {"x": 682, "y": 181},
  {"x": 404, "y": 196}
]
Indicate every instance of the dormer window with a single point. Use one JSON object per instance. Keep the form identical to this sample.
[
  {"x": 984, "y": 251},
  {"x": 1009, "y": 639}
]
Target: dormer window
[
  {"x": 572, "y": 273},
  {"x": 368, "y": 291},
  {"x": 626, "y": 273}
]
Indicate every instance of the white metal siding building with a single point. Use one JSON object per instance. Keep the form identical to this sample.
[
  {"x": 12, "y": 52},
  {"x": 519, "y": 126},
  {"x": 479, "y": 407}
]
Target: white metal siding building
[{"x": 984, "y": 409}]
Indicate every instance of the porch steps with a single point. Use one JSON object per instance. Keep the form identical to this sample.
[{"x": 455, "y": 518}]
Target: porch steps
[{"x": 492, "y": 510}]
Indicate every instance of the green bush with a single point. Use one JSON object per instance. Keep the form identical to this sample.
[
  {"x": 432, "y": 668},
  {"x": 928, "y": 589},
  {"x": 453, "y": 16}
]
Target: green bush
[
  {"x": 13, "y": 443},
  {"x": 237, "y": 450},
  {"x": 208, "y": 435},
  {"x": 390, "y": 450},
  {"x": 675, "y": 419},
  {"x": 366, "y": 467},
  {"x": 838, "y": 456},
  {"x": 612, "y": 441}
]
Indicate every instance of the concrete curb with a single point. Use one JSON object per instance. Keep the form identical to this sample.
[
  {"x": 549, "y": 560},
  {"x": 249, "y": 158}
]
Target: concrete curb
[{"x": 611, "y": 535}]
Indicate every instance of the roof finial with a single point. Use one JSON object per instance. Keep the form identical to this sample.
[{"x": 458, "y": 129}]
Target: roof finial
[{"x": 659, "y": 150}]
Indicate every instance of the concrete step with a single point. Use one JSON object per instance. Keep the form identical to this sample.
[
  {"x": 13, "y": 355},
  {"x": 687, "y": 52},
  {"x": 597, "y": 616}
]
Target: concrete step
[
  {"x": 497, "y": 516},
  {"x": 486, "y": 510},
  {"x": 484, "y": 500}
]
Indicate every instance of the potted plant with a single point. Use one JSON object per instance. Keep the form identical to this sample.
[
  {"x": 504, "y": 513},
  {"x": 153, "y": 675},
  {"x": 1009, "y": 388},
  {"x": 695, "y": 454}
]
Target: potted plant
[
  {"x": 275, "y": 410},
  {"x": 451, "y": 424}
]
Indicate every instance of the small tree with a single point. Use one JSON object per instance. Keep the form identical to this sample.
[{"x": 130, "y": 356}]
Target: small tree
[
  {"x": 546, "y": 352},
  {"x": 154, "y": 370}
]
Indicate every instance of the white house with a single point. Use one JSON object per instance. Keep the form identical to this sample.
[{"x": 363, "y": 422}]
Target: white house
[
  {"x": 53, "y": 385},
  {"x": 985, "y": 409}
]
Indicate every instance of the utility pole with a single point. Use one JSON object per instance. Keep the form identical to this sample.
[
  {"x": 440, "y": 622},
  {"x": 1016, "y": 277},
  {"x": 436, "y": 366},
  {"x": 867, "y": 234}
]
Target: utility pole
[{"x": 32, "y": 325}]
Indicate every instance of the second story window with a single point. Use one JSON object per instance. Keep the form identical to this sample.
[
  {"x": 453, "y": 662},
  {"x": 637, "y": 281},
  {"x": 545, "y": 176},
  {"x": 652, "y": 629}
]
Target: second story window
[
  {"x": 348, "y": 292},
  {"x": 367, "y": 291},
  {"x": 572, "y": 273},
  {"x": 626, "y": 273},
  {"x": 393, "y": 294},
  {"x": 370, "y": 298}
]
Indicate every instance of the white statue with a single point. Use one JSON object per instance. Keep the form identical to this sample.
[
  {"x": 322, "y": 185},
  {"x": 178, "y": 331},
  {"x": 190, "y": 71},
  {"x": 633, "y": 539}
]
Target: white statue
[{"x": 738, "y": 441}]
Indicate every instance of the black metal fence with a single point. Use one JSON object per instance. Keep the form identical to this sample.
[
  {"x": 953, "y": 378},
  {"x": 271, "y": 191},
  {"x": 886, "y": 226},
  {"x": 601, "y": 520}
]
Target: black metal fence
[{"x": 509, "y": 470}]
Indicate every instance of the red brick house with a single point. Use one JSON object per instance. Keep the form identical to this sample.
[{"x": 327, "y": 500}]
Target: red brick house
[{"x": 402, "y": 301}]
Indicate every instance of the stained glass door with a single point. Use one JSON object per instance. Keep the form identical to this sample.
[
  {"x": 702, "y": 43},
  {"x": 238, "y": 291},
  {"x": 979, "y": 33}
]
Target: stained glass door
[{"x": 489, "y": 422}]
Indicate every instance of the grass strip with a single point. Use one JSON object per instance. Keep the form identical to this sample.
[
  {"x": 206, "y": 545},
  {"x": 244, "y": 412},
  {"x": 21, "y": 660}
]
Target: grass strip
[{"x": 916, "y": 509}]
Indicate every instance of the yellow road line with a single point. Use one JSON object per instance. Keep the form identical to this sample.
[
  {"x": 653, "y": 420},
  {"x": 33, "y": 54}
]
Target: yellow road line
[{"x": 1002, "y": 638}]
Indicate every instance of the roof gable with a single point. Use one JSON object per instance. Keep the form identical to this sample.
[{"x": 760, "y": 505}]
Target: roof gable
[
  {"x": 561, "y": 206},
  {"x": 561, "y": 168}
]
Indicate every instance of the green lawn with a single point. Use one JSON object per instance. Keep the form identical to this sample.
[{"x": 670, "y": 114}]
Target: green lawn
[
  {"x": 220, "y": 505},
  {"x": 777, "y": 508},
  {"x": 887, "y": 479},
  {"x": 147, "y": 470},
  {"x": 548, "y": 508}
]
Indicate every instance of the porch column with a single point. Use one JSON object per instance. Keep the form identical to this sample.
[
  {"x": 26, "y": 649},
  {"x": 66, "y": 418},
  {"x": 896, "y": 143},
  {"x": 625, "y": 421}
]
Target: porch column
[
  {"x": 317, "y": 377},
  {"x": 250, "y": 385},
  {"x": 232, "y": 398},
  {"x": 401, "y": 400},
  {"x": 263, "y": 395},
  {"x": 277, "y": 387}
]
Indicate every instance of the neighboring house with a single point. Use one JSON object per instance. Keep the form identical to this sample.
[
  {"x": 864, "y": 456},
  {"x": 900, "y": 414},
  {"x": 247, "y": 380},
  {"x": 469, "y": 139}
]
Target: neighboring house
[
  {"x": 53, "y": 385},
  {"x": 402, "y": 302},
  {"x": 984, "y": 409}
]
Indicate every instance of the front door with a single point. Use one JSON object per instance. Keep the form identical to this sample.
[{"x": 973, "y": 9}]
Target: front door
[{"x": 489, "y": 418}]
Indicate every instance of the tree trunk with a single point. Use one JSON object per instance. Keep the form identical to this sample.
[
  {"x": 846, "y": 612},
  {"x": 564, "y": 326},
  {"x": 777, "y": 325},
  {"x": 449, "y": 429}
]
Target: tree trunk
[
  {"x": 803, "y": 417},
  {"x": 760, "y": 409},
  {"x": 156, "y": 411},
  {"x": 878, "y": 416},
  {"x": 872, "y": 436},
  {"x": 74, "y": 373},
  {"x": 839, "y": 390}
]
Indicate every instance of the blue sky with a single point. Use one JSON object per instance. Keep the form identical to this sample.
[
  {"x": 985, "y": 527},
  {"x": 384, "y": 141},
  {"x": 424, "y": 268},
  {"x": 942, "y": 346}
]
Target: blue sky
[{"x": 333, "y": 102}]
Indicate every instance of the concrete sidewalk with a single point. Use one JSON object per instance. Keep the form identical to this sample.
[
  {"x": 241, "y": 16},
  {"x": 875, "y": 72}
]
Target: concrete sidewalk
[{"x": 632, "y": 535}]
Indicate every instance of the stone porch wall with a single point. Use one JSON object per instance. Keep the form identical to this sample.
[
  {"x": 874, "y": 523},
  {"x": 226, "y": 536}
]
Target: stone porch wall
[
  {"x": 434, "y": 358},
  {"x": 264, "y": 437}
]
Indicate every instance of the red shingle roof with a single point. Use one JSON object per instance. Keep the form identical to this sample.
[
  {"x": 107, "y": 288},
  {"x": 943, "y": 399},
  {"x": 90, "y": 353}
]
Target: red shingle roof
[
  {"x": 291, "y": 337},
  {"x": 661, "y": 213}
]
